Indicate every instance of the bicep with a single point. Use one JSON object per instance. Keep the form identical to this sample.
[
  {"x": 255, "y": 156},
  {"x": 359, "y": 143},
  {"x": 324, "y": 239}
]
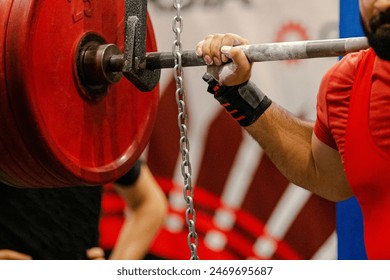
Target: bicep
[{"x": 331, "y": 179}]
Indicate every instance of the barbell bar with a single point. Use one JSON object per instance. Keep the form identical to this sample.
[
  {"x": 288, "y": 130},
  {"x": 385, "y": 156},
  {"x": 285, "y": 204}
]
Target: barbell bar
[{"x": 257, "y": 53}]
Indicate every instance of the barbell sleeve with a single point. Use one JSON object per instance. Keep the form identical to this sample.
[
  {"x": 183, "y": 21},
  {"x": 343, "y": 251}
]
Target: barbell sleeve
[{"x": 258, "y": 52}]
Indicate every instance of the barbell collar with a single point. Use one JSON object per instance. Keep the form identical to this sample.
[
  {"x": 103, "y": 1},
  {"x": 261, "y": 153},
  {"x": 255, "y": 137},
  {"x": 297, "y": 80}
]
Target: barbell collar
[{"x": 135, "y": 47}]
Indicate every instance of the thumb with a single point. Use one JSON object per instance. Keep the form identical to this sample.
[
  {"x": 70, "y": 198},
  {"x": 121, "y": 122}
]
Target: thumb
[
  {"x": 236, "y": 54},
  {"x": 239, "y": 70},
  {"x": 225, "y": 50}
]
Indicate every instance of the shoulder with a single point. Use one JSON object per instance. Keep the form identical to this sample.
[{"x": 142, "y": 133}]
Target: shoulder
[
  {"x": 338, "y": 80},
  {"x": 333, "y": 99},
  {"x": 342, "y": 74}
]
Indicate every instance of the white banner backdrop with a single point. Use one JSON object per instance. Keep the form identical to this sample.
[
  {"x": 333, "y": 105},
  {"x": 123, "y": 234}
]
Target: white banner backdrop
[{"x": 245, "y": 208}]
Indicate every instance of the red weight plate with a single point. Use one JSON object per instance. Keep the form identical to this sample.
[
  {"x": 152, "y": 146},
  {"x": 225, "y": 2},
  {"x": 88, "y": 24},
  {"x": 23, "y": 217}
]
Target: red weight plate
[
  {"x": 11, "y": 171},
  {"x": 6, "y": 170},
  {"x": 72, "y": 140}
]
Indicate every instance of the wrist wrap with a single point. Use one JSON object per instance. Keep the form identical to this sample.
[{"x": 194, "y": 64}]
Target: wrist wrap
[{"x": 244, "y": 102}]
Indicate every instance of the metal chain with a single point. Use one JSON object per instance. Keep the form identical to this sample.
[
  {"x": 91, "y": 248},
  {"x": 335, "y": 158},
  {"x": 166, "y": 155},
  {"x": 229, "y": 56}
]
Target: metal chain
[{"x": 177, "y": 27}]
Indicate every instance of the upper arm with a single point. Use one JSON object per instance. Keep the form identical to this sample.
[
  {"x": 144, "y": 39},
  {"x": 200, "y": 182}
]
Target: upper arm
[
  {"x": 331, "y": 179},
  {"x": 333, "y": 101},
  {"x": 328, "y": 139}
]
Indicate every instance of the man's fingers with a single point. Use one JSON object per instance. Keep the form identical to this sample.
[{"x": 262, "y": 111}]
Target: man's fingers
[
  {"x": 95, "y": 253},
  {"x": 206, "y": 49},
  {"x": 210, "y": 47},
  {"x": 198, "y": 48},
  {"x": 13, "y": 255},
  {"x": 231, "y": 39},
  {"x": 217, "y": 50}
]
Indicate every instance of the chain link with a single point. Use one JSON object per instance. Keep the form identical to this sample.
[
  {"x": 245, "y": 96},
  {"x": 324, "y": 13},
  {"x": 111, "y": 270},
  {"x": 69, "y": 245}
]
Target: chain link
[{"x": 177, "y": 27}]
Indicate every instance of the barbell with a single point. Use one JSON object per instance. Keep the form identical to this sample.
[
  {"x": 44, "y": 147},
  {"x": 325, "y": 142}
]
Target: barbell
[{"x": 67, "y": 115}]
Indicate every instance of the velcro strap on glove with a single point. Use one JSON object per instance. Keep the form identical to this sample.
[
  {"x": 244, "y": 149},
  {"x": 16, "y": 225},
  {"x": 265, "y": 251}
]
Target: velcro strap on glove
[{"x": 244, "y": 102}]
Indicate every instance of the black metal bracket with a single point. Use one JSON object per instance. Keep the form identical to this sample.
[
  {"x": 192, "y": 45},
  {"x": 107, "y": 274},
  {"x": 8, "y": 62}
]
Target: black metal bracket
[{"x": 134, "y": 66}]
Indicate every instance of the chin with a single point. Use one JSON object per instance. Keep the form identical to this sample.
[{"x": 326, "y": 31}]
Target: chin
[
  {"x": 381, "y": 45},
  {"x": 380, "y": 41}
]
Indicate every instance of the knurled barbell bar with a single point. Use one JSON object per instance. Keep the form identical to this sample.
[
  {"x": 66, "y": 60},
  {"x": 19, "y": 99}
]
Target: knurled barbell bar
[{"x": 257, "y": 52}]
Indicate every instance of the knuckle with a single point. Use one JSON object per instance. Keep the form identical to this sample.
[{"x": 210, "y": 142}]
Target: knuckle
[
  {"x": 209, "y": 37},
  {"x": 219, "y": 36}
]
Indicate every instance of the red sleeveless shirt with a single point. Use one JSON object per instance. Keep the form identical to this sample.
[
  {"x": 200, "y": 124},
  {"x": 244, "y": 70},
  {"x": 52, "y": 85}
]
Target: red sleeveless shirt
[
  {"x": 368, "y": 166},
  {"x": 353, "y": 116}
]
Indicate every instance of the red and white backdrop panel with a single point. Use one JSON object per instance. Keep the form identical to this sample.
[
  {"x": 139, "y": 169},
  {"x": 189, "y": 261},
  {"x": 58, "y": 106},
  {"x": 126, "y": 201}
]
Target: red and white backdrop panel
[{"x": 245, "y": 209}]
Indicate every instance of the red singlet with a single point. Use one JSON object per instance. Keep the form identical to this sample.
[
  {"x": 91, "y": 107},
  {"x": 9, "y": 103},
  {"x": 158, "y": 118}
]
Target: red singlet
[{"x": 353, "y": 116}]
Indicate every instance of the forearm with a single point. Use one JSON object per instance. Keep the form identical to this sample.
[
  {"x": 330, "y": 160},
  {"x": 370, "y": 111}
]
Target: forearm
[
  {"x": 148, "y": 208},
  {"x": 137, "y": 233},
  {"x": 288, "y": 142}
]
